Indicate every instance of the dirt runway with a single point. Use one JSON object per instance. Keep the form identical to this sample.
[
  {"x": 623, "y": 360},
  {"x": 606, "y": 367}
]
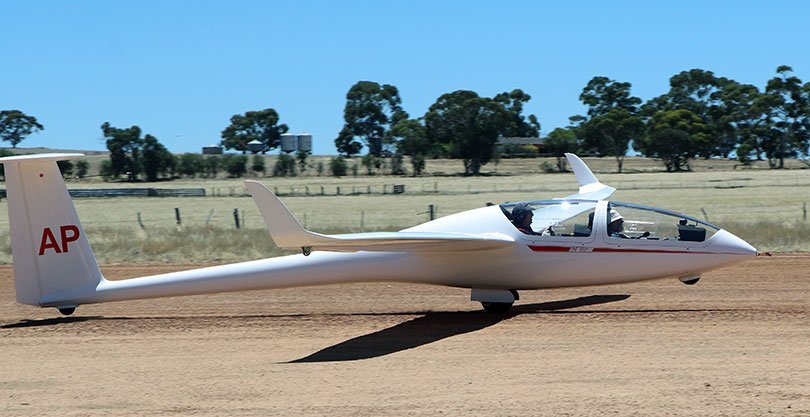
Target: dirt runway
[{"x": 736, "y": 344}]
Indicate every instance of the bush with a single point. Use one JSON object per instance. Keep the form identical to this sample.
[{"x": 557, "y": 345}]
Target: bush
[
  {"x": 191, "y": 164},
  {"x": 397, "y": 165},
  {"x": 418, "y": 164},
  {"x": 236, "y": 165},
  {"x": 257, "y": 164},
  {"x": 106, "y": 170},
  {"x": 285, "y": 166},
  {"x": 338, "y": 166},
  {"x": 66, "y": 168},
  {"x": 213, "y": 164},
  {"x": 82, "y": 167}
]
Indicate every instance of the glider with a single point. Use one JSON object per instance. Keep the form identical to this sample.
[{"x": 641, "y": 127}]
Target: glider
[{"x": 582, "y": 239}]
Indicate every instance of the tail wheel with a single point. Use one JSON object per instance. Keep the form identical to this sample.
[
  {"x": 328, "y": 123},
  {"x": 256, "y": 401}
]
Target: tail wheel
[{"x": 491, "y": 307}]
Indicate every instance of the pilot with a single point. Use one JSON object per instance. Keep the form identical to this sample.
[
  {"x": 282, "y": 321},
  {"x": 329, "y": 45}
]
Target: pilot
[
  {"x": 615, "y": 226},
  {"x": 522, "y": 216}
]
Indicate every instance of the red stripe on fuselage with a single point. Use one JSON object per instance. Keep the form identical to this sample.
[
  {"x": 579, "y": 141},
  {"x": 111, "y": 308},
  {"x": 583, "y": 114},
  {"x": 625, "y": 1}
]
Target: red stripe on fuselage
[{"x": 620, "y": 250}]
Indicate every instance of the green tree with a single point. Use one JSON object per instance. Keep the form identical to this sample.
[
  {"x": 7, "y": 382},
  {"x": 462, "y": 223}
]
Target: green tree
[
  {"x": 559, "y": 142},
  {"x": 66, "y": 168},
  {"x": 302, "y": 157},
  {"x": 702, "y": 93},
  {"x": 15, "y": 126},
  {"x": 411, "y": 139},
  {"x": 338, "y": 167},
  {"x": 513, "y": 102},
  {"x": 285, "y": 166},
  {"x": 259, "y": 125},
  {"x": 611, "y": 122},
  {"x": 82, "y": 168},
  {"x": 602, "y": 95},
  {"x": 346, "y": 144},
  {"x": 674, "y": 136},
  {"x": 190, "y": 164},
  {"x": 788, "y": 106},
  {"x": 213, "y": 164},
  {"x": 743, "y": 122},
  {"x": 468, "y": 126},
  {"x": 157, "y": 160},
  {"x": 125, "y": 150},
  {"x": 371, "y": 109},
  {"x": 257, "y": 164},
  {"x": 610, "y": 134},
  {"x": 235, "y": 165}
]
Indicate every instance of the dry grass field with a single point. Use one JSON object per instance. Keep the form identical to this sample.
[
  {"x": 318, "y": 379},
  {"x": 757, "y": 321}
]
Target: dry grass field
[
  {"x": 763, "y": 206},
  {"x": 736, "y": 344}
]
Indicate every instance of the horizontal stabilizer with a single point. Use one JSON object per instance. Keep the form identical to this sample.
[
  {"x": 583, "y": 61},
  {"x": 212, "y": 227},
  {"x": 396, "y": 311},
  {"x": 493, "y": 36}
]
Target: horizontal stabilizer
[
  {"x": 287, "y": 232},
  {"x": 589, "y": 187}
]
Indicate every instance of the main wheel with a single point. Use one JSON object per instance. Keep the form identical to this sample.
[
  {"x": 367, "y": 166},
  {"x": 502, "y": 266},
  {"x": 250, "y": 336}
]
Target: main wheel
[
  {"x": 496, "y": 307},
  {"x": 67, "y": 310}
]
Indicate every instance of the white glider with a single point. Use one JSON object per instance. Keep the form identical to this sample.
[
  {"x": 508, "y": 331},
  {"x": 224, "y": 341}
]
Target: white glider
[{"x": 584, "y": 240}]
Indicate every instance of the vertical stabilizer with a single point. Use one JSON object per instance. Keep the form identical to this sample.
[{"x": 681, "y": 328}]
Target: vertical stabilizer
[{"x": 52, "y": 256}]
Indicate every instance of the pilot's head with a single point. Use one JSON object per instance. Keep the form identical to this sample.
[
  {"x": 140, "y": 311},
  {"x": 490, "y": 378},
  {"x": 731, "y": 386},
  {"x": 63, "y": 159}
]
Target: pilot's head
[
  {"x": 616, "y": 222},
  {"x": 522, "y": 214}
]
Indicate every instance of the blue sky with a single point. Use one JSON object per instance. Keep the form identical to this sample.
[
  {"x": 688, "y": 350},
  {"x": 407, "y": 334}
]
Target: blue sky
[{"x": 181, "y": 69}]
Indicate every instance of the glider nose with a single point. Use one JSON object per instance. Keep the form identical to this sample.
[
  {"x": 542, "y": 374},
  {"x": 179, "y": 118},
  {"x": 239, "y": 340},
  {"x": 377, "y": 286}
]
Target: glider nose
[{"x": 729, "y": 244}]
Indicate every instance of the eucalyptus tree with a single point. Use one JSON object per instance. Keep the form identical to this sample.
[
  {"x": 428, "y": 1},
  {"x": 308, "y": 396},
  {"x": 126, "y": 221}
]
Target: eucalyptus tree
[
  {"x": 15, "y": 126},
  {"x": 371, "y": 110}
]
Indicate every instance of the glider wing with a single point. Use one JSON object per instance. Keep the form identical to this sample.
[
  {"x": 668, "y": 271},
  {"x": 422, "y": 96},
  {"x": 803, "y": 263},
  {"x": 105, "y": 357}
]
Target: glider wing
[{"x": 287, "y": 232}]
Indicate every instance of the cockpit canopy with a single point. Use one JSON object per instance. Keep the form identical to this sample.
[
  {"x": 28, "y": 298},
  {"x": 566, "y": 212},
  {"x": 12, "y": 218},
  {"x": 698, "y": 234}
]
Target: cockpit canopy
[{"x": 576, "y": 218}]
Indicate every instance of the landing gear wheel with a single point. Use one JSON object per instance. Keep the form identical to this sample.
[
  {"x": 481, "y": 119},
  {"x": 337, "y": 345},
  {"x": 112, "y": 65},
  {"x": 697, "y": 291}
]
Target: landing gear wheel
[
  {"x": 491, "y": 307},
  {"x": 67, "y": 310}
]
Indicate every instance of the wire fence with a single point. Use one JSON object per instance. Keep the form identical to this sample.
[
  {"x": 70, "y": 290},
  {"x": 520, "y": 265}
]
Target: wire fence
[{"x": 375, "y": 220}]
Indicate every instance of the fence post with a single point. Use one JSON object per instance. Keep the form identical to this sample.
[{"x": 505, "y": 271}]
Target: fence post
[
  {"x": 177, "y": 215},
  {"x": 362, "y": 218},
  {"x": 140, "y": 223},
  {"x": 236, "y": 217},
  {"x": 322, "y": 192},
  {"x": 804, "y": 211},
  {"x": 338, "y": 190},
  {"x": 432, "y": 211}
]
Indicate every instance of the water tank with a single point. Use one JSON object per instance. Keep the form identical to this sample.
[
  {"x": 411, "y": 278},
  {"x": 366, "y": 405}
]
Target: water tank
[
  {"x": 305, "y": 142},
  {"x": 256, "y": 146},
  {"x": 288, "y": 142},
  {"x": 212, "y": 150}
]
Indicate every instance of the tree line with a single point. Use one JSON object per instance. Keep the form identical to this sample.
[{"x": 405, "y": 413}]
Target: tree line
[{"x": 701, "y": 116}]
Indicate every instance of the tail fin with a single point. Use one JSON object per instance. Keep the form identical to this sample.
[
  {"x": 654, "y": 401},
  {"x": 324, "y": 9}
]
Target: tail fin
[
  {"x": 53, "y": 262},
  {"x": 284, "y": 228},
  {"x": 589, "y": 187}
]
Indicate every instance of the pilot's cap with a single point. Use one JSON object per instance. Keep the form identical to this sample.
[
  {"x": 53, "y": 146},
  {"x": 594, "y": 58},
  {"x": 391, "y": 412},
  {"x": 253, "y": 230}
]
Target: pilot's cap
[
  {"x": 520, "y": 211},
  {"x": 615, "y": 216}
]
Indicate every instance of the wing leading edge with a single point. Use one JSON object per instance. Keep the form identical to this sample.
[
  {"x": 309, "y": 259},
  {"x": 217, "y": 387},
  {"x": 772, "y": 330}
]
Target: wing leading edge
[{"x": 287, "y": 232}]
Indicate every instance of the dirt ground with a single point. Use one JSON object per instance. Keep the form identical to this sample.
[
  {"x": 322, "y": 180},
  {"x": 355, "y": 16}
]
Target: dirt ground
[{"x": 736, "y": 344}]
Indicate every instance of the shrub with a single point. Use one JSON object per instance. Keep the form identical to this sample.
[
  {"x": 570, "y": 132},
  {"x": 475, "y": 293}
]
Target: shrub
[
  {"x": 257, "y": 164},
  {"x": 82, "y": 167},
  {"x": 338, "y": 166},
  {"x": 236, "y": 165},
  {"x": 284, "y": 166}
]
